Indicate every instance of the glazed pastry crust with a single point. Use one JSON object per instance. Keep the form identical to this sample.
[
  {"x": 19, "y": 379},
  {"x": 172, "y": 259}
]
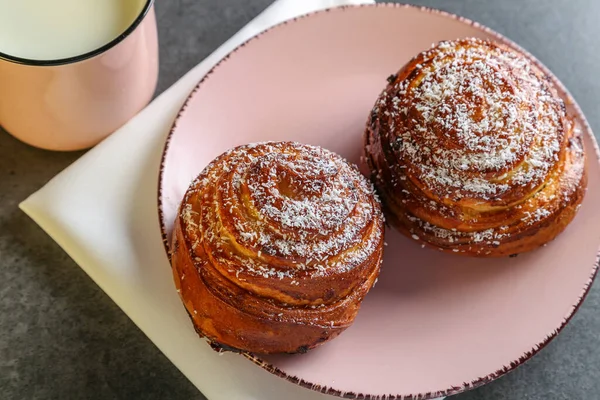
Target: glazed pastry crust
[
  {"x": 472, "y": 151},
  {"x": 275, "y": 246}
]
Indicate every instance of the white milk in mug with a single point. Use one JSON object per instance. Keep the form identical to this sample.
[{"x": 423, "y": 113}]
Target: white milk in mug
[
  {"x": 58, "y": 29},
  {"x": 74, "y": 71}
]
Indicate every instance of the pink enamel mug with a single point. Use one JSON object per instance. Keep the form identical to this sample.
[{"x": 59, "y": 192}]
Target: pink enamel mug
[{"x": 73, "y": 103}]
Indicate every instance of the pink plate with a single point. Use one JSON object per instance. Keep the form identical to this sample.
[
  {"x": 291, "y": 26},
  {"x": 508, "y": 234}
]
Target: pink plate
[{"x": 435, "y": 324}]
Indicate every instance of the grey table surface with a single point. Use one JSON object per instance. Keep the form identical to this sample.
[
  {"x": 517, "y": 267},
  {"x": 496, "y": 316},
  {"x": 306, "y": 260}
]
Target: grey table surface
[{"x": 61, "y": 337}]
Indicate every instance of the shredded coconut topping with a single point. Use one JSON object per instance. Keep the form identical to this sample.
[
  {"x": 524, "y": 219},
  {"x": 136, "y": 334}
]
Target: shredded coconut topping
[
  {"x": 471, "y": 135},
  {"x": 276, "y": 210},
  {"x": 476, "y": 121}
]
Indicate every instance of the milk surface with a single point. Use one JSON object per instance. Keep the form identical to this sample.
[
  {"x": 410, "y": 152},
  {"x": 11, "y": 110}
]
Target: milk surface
[{"x": 56, "y": 29}]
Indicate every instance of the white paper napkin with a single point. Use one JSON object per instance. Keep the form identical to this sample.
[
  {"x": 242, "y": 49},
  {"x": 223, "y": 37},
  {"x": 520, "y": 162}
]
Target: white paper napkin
[{"x": 102, "y": 211}]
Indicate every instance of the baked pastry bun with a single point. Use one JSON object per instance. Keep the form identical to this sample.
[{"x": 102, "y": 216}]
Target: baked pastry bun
[
  {"x": 275, "y": 246},
  {"x": 472, "y": 151}
]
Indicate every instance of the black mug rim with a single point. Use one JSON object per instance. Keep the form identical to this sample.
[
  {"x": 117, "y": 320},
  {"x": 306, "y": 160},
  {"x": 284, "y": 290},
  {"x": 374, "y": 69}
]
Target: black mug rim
[{"x": 84, "y": 56}]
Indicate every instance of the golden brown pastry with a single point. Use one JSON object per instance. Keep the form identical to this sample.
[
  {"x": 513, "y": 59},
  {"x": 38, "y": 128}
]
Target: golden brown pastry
[
  {"x": 275, "y": 246},
  {"x": 472, "y": 151}
]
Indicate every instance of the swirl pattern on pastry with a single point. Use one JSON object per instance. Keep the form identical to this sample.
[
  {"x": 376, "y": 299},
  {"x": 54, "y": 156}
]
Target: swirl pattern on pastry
[
  {"x": 275, "y": 246},
  {"x": 472, "y": 151}
]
